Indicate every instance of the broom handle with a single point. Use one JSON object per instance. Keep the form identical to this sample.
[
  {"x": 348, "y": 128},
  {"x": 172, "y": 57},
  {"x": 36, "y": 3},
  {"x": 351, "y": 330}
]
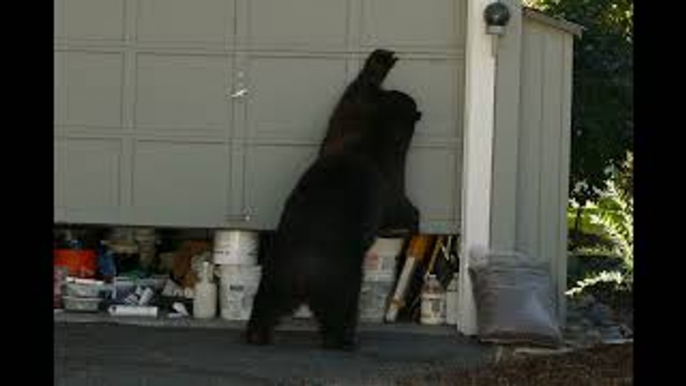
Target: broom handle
[
  {"x": 437, "y": 249},
  {"x": 415, "y": 253}
]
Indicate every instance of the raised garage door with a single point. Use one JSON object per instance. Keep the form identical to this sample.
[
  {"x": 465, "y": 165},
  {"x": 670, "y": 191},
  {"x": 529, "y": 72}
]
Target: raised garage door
[{"x": 205, "y": 112}]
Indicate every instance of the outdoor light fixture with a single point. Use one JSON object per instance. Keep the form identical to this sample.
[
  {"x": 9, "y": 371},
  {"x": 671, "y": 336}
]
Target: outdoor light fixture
[{"x": 496, "y": 15}]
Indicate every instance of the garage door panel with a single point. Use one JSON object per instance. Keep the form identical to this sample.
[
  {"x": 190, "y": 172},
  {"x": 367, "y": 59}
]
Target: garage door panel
[
  {"x": 88, "y": 88},
  {"x": 435, "y": 85},
  {"x": 182, "y": 92},
  {"x": 188, "y": 182},
  {"x": 89, "y": 19},
  {"x": 293, "y": 97},
  {"x": 86, "y": 173},
  {"x": 183, "y": 22},
  {"x": 297, "y": 22},
  {"x": 432, "y": 176},
  {"x": 426, "y": 23}
]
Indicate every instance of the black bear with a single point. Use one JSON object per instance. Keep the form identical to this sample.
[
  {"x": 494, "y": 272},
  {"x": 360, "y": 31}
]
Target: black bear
[
  {"x": 336, "y": 211},
  {"x": 384, "y": 122},
  {"x": 391, "y": 141}
]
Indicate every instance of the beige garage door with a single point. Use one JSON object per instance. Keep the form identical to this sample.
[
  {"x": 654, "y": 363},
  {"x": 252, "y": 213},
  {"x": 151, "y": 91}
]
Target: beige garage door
[{"x": 205, "y": 112}]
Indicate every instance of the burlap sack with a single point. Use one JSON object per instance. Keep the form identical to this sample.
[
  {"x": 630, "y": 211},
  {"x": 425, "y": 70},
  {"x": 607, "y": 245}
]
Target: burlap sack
[{"x": 514, "y": 300}]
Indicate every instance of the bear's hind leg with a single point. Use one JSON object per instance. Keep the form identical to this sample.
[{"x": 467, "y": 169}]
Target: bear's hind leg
[
  {"x": 336, "y": 310},
  {"x": 270, "y": 304}
]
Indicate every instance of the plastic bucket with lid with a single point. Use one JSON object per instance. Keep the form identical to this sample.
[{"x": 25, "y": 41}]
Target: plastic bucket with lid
[
  {"x": 235, "y": 247},
  {"x": 381, "y": 259}
]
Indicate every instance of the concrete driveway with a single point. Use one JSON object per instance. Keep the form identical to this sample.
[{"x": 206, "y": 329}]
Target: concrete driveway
[{"x": 106, "y": 353}]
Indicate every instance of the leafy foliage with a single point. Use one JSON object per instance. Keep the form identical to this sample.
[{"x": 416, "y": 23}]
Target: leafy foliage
[
  {"x": 602, "y": 112},
  {"x": 610, "y": 219}
]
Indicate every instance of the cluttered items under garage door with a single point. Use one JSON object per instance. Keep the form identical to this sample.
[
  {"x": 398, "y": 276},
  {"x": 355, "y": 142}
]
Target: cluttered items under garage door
[{"x": 214, "y": 274}]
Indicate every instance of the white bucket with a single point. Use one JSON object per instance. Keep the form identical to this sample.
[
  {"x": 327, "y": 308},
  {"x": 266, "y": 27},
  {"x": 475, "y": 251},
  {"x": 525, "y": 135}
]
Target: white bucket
[
  {"x": 235, "y": 247},
  {"x": 374, "y": 296},
  {"x": 237, "y": 288},
  {"x": 144, "y": 235},
  {"x": 380, "y": 261},
  {"x": 303, "y": 312}
]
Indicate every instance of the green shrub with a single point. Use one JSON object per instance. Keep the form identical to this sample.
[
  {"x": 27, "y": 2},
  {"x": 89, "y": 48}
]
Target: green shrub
[{"x": 605, "y": 228}]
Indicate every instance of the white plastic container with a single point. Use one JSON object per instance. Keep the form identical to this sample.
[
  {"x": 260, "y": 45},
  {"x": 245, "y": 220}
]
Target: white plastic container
[
  {"x": 303, "y": 312},
  {"x": 374, "y": 297},
  {"x": 432, "y": 302},
  {"x": 126, "y": 310},
  {"x": 237, "y": 288},
  {"x": 381, "y": 259},
  {"x": 205, "y": 299},
  {"x": 235, "y": 247},
  {"x": 122, "y": 235},
  {"x": 81, "y": 304},
  {"x": 85, "y": 288},
  {"x": 144, "y": 234}
]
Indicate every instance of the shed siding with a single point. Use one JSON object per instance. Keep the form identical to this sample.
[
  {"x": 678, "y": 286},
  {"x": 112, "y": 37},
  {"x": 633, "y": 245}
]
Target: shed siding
[
  {"x": 506, "y": 133},
  {"x": 543, "y": 164},
  {"x": 532, "y": 146}
]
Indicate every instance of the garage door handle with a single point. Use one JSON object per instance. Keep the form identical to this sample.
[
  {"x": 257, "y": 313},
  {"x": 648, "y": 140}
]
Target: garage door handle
[
  {"x": 240, "y": 93},
  {"x": 238, "y": 218}
]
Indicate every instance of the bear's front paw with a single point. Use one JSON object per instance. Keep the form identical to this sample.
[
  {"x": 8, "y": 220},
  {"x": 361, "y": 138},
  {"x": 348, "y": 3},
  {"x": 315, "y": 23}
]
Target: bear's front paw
[{"x": 378, "y": 65}]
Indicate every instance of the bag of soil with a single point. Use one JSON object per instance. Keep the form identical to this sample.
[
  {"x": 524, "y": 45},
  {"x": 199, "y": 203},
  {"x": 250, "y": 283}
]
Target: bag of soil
[{"x": 514, "y": 300}]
